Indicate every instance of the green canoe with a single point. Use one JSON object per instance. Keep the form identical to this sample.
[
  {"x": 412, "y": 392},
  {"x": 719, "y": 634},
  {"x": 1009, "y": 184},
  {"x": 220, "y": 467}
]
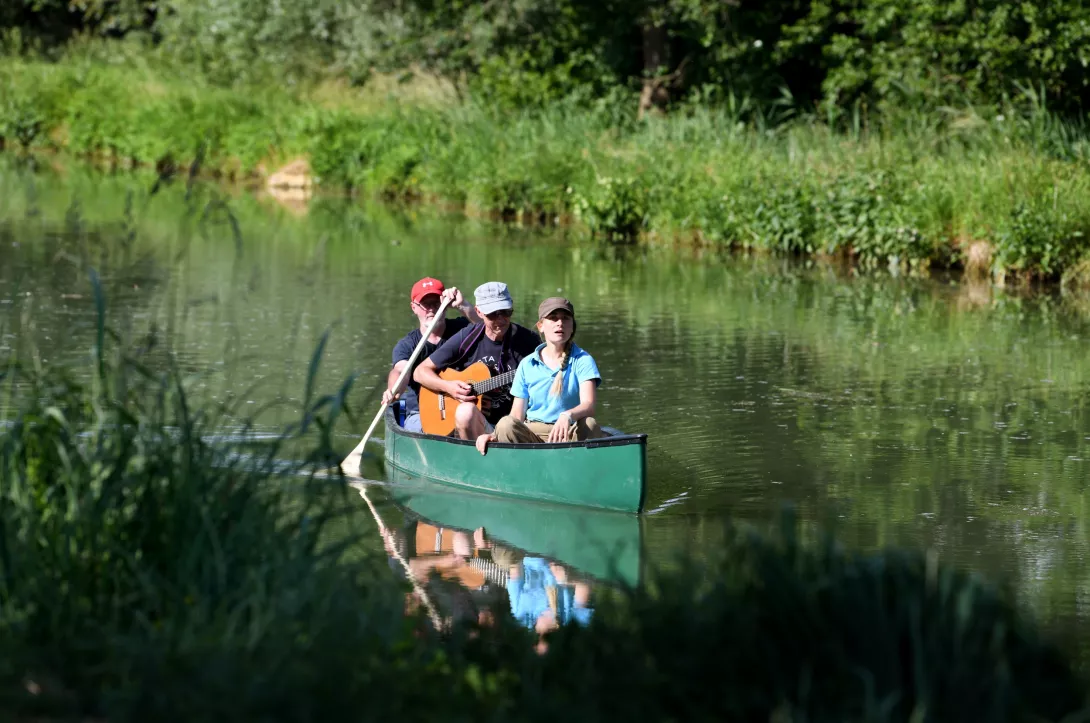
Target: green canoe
[
  {"x": 604, "y": 545},
  {"x": 607, "y": 473}
]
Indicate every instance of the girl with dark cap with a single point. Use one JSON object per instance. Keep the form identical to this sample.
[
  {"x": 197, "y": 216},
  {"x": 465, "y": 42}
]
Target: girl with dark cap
[{"x": 555, "y": 388}]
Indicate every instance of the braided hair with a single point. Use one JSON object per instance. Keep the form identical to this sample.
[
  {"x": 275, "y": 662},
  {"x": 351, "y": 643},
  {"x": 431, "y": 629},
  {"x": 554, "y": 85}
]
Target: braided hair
[
  {"x": 558, "y": 381},
  {"x": 565, "y": 356}
]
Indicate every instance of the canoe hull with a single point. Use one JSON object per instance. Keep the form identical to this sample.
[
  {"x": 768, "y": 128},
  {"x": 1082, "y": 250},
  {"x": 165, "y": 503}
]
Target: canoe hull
[
  {"x": 605, "y": 545},
  {"x": 607, "y": 474}
]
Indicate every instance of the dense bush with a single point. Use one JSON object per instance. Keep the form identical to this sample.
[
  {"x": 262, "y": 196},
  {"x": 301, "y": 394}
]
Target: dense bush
[{"x": 1043, "y": 235}]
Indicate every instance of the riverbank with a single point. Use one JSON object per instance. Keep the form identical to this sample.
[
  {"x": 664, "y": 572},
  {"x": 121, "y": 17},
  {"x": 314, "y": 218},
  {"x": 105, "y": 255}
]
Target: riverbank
[{"x": 999, "y": 196}]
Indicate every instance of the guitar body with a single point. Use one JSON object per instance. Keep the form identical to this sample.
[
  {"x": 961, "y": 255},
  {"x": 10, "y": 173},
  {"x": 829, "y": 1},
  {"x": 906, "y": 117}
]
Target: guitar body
[{"x": 437, "y": 410}]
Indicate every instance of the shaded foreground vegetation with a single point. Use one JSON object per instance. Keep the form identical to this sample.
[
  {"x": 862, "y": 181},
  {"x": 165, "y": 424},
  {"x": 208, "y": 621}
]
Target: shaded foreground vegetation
[
  {"x": 150, "y": 567},
  {"x": 1003, "y": 195}
]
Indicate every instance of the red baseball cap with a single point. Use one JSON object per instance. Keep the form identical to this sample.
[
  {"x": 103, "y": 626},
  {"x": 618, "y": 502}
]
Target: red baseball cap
[{"x": 426, "y": 286}]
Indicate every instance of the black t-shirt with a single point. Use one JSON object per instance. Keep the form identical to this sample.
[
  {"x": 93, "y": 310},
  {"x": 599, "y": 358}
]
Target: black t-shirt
[
  {"x": 404, "y": 349},
  {"x": 472, "y": 345}
]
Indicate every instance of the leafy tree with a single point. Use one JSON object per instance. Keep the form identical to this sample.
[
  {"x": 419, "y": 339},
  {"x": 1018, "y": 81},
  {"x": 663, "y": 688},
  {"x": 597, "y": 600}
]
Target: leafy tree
[
  {"x": 924, "y": 53},
  {"x": 251, "y": 39},
  {"x": 55, "y": 21},
  {"x": 937, "y": 52}
]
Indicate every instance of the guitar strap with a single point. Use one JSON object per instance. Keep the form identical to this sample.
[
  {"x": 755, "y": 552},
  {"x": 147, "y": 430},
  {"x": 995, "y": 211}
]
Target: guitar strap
[
  {"x": 469, "y": 343},
  {"x": 471, "y": 340},
  {"x": 500, "y": 366}
]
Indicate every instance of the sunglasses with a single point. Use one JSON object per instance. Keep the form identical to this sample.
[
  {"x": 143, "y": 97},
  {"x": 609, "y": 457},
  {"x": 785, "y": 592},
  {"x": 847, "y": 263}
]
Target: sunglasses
[
  {"x": 505, "y": 313},
  {"x": 429, "y": 302}
]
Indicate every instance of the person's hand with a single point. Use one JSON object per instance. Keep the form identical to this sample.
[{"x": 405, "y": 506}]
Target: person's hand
[
  {"x": 559, "y": 432},
  {"x": 482, "y": 442},
  {"x": 389, "y": 398},
  {"x": 455, "y": 296},
  {"x": 460, "y": 391},
  {"x": 546, "y": 622},
  {"x": 479, "y": 539}
]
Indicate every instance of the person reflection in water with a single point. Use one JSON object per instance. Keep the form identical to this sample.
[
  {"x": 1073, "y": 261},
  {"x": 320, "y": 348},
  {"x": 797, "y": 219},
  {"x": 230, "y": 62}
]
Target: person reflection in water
[
  {"x": 459, "y": 572},
  {"x": 542, "y": 598}
]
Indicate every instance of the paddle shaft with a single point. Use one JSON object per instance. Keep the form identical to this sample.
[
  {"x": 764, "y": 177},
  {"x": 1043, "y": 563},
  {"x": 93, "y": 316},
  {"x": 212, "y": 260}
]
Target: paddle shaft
[
  {"x": 433, "y": 614},
  {"x": 351, "y": 463}
]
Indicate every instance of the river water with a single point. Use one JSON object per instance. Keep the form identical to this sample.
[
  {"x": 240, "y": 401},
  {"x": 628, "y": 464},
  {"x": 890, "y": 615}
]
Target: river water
[{"x": 895, "y": 411}]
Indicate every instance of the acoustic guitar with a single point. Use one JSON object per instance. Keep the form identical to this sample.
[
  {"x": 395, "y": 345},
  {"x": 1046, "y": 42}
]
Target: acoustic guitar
[{"x": 437, "y": 410}]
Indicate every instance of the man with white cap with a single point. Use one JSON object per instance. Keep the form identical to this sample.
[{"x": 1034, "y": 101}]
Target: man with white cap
[{"x": 496, "y": 341}]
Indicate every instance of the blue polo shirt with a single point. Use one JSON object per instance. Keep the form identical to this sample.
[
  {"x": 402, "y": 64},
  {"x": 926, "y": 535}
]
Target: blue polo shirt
[
  {"x": 529, "y": 597},
  {"x": 534, "y": 379}
]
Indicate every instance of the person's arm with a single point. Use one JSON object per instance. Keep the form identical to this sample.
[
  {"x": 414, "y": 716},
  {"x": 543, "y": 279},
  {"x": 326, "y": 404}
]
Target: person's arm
[
  {"x": 458, "y": 302},
  {"x": 391, "y": 395},
  {"x": 518, "y": 408},
  {"x": 427, "y": 375},
  {"x": 588, "y": 397},
  {"x": 586, "y": 371},
  {"x": 400, "y": 357}
]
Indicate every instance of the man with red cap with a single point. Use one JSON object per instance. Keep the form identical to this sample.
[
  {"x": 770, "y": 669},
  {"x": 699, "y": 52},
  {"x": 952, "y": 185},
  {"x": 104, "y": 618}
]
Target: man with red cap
[{"x": 427, "y": 296}]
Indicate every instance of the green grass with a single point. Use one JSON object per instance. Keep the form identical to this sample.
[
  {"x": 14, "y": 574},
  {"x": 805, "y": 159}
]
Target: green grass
[{"x": 914, "y": 191}]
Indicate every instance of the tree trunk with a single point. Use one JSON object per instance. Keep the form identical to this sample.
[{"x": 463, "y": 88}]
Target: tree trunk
[{"x": 655, "y": 94}]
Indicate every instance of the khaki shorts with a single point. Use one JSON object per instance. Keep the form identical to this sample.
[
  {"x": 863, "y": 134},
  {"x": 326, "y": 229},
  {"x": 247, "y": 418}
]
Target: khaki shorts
[{"x": 513, "y": 431}]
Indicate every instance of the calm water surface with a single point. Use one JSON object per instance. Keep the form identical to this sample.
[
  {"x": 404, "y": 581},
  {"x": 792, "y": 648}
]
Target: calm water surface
[{"x": 897, "y": 411}]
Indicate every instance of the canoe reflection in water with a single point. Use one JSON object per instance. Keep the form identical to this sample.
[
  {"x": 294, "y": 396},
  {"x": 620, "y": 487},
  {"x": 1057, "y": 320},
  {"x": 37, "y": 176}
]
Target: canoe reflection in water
[
  {"x": 473, "y": 575},
  {"x": 472, "y": 556}
]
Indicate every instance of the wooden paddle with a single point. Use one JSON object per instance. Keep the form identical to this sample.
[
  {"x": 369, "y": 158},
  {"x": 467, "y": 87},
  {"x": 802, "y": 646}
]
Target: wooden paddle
[
  {"x": 433, "y": 614},
  {"x": 351, "y": 463}
]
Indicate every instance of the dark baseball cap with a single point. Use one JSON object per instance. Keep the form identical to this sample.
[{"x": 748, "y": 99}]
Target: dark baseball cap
[{"x": 554, "y": 303}]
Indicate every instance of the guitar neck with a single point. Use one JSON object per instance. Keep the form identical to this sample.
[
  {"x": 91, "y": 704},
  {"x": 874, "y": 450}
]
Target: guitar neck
[{"x": 494, "y": 383}]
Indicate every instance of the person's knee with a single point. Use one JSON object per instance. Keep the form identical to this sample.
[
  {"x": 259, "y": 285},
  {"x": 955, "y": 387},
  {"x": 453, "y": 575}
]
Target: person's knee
[
  {"x": 465, "y": 414},
  {"x": 505, "y": 427},
  {"x": 589, "y": 429},
  {"x": 507, "y": 430}
]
